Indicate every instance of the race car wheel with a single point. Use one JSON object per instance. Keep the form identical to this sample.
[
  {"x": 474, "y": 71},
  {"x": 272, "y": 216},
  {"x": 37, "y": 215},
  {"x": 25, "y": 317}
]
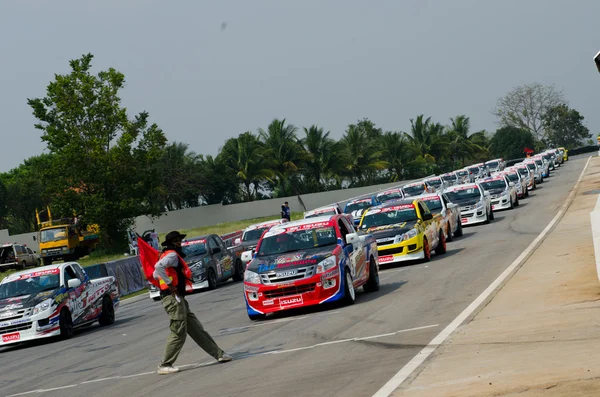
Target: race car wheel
[
  {"x": 426, "y": 250},
  {"x": 24, "y": 265},
  {"x": 527, "y": 193},
  {"x": 511, "y": 204},
  {"x": 492, "y": 216},
  {"x": 238, "y": 274},
  {"x": 107, "y": 317},
  {"x": 487, "y": 218},
  {"x": 372, "y": 284},
  {"x": 66, "y": 324},
  {"x": 459, "y": 229},
  {"x": 517, "y": 202},
  {"x": 449, "y": 233},
  {"x": 441, "y": 247},
  {"x": 212, "y": 278},
  {"x": 349, "y": 292}
]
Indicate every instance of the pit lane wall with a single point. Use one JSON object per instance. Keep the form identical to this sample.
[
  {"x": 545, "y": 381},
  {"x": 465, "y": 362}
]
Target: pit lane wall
[
  {"x": 595, "y": 220},
  {"x": 207, "y": 215}
]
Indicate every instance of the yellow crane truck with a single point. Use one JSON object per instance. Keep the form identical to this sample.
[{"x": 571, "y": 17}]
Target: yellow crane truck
[{"x": 65, "y": 239}]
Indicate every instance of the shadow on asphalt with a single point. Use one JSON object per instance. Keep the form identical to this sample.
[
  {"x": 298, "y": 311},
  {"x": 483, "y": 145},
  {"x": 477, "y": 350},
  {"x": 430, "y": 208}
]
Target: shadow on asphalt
[{"x": 450, "y": 252}]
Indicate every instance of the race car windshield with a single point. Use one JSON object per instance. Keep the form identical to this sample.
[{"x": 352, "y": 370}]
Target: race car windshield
[
  {"x": 298, "y": 240},
  {"x": 492, "y": 164},
  {"x": 194, "y": 247},
  {"x": 253, "y": 235},
  {"x": 330, "y": 212},
  {"x": 462, "y": 173},
  {"x": 539, "y": 162},
  {"x": 55, "y": 234},
  {"x": 464, "y": 194},
  {"x": 449, "y": 178},
  {"x": 492, "y": 185},
  {"x": 523, "y": 171},
  {"x": 435, "y": 182},
  {"x": 389, "y": 196},
  {"x": 474, "y": 170},
  {"x": 434, "y": 205},
  {"x": 513, "y": 177},
  {"x": 414, "y": 190},
  {"x": 388, "y": 218},
  {"x": 358, "y": 206},
  {"x": 29, "y": 286},
  {"x": 531, "y": 166}
]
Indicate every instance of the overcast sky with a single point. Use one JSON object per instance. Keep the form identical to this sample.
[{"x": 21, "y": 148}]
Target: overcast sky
[{"x": 209, "y": 70}]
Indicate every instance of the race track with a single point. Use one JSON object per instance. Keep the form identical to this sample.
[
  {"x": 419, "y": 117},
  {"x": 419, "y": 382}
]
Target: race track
[{"x": 334, "y": 351}]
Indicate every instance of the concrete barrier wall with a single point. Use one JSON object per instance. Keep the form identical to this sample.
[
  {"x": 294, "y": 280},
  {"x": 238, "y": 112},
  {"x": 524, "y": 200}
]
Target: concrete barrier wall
[
  {"x": 207, "y": 215},
  {"x": 26, "y": 239},
  {"x": 595, "y": 220}
]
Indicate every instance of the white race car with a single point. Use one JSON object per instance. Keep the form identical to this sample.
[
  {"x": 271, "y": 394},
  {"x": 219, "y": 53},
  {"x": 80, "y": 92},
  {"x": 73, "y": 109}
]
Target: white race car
[
  {"x": 474, "y": 201},
  {"x": 502, "y": 192}
]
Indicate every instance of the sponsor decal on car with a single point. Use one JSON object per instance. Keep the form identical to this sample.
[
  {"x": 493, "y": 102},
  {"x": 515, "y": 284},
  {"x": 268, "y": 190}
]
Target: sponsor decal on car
[
  {"x": 13, "y": 337},
  {"x": 330, "y": 274},
  {"x": 286, "y": 273},
  {"x": 12, "y": 307},
  {"x": 291, "y": 301},
  {"x": 268, "y": 302},
  {"x": 38, "y": 274},
  {"x": 193, "y": 242},
  {"x": 386, "y": 258}
]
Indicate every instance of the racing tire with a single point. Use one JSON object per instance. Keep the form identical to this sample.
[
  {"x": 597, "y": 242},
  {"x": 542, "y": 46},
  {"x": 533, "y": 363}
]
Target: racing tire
[
  {"x": 238, "y": 274},
  {"x": 257, "y": 317},
  {"x": 349, "y": 291},
  {"x": 512, "y": 205},
  {"x": 156, "y": 299},
  {"x": 24, "y": 265},
  {"x": 66, "y": 324},
  {"x": 372, "y": 284},
  {"x": 212, "y": 278},
  {"x": 492, "y": 216},
  {"x": 517, "y": 202},
  {"x": 527, "y": 193},
  {"x": 459, "y": 229},
  {"x": 47, "y": 262},
  {"x": 426, "y": 250},
  {"x": 107, "y": 317},
  {"x": 449, "y": 233},
  {"x": 441, "y": 247},
  {"x": 487, "y": 218}
]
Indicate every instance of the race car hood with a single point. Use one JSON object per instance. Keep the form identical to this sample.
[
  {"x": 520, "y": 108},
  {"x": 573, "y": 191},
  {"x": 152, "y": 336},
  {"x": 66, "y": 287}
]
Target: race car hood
[
  {"x": 390, "y": 230},
  {"x": 496, "y": 191},
  {"x": 290, "y": 260},
  {"x": 26, "y": 301},
  {"x": 468, "y": 201},
  {"x": 196, "y": 259}
]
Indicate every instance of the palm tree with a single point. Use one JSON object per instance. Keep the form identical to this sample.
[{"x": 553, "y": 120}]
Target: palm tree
[
  {"x": 362, "y": 155},
  {"x": 287, "y": 153},
  {"x": 426, "y": 142},
  {"x": 395, "y": 151},
  {"x": 323, "y": 161},
  {"x": 247, "y": 158}
]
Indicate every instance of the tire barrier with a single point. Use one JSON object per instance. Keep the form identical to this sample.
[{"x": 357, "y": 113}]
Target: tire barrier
[{"x": 127, "y": 272}]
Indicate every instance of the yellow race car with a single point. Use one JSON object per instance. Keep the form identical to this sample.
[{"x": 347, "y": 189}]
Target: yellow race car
[
  {"x": 566, "y": 153},
  {"x": 404, "y": 230}
]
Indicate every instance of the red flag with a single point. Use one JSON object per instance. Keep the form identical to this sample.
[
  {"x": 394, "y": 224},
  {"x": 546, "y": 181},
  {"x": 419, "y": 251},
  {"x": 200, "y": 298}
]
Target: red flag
[
  {"x": 527, "y": 150},
  {"x": 148, "y": 258}
]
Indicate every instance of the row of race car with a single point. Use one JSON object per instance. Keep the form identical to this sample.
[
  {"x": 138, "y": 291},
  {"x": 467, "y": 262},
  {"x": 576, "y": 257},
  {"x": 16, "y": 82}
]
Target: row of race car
[{"x": 322, "y": 258}]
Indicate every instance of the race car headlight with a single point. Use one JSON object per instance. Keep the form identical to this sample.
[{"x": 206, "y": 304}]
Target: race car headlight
[
  {"x": 251, "y": 277},
  {"x": 42, "y": 307},
  {"x": 408, "y": 235},
  {"x": 479, "y": 205},
  {"x": 326, "y": 264}
]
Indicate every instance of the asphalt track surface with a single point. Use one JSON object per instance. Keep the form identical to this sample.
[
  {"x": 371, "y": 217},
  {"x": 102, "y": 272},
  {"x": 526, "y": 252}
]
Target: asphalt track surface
[{"x": 329, "y": 351}]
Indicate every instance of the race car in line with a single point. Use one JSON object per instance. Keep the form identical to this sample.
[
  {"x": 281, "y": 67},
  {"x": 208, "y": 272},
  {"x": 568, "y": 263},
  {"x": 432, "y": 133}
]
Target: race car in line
[
  {"x": 210, "y": 262},
  {"x": 502, "y": 192},
  {"x": 452, "y": 178},
  {"x": 53, "y": 301},
  {"x": 464, "y": 176},
  {"x": 474, "y": 201},
  {"x": 534, "y": 169},
  {"x": 358, "y": 206},
  {"x": 520, "y": 182},
  {"x": 495, "y": 165},
  {"x": 416, "y": 189},
  {"x": 251, "y": 235},
  {"x": 309, "y": 262},
  {"x": 436, "y": 184},
  {"x": 440, "y": 205},
  {"x": 390, "y": 194},
  {"x": 527, "y": 174},
  {"x": 405, "y": 230}
]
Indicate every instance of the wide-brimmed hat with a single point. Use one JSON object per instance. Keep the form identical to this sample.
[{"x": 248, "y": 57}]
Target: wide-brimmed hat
[{"x": 172, "y": 236}]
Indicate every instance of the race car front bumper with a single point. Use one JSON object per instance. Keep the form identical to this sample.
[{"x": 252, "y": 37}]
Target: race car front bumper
[
  {"x": 320, "y": 288},
  {"x": 155, "y": 292},
  {"x": 502, "y": 203},
  {"x": 408, "y": 250},
  {"x": 29, "y": 328},
  {"x": 471, "y": 215}
]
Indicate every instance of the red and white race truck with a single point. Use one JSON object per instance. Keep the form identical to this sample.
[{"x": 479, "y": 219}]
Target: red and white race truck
[
  {"x": 309, "y": 262},
  {"x": 53, "y": 301}
]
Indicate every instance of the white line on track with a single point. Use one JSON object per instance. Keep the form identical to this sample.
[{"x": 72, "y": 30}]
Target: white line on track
[
  {"x": 274, "y": 322},
  {"x": 207, "y": 363},
  {"x": 417, "y": 360}
]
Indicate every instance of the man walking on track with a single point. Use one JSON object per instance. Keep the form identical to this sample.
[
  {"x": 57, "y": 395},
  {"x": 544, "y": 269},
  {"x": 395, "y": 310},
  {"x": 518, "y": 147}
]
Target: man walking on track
[{"x": 173, "y": 275}]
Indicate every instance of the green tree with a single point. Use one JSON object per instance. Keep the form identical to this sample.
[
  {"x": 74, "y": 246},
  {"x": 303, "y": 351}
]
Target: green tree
[
  {"x": 245, "y": 156},
  {"x": 101, "y": 154},
  {"x": 218, "y": 183},
  {"x": 362, "y": 153},
  {"x": 396, "y": 153},
  {"x": 285, "y": 150},
  {"x": 462, "y": 147},
  {"x": 323, "y": 164},
  {"x": 427, "y": 145},
  {"x": 510, "y": 142},
  {"x": 565, "y": 127}
]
